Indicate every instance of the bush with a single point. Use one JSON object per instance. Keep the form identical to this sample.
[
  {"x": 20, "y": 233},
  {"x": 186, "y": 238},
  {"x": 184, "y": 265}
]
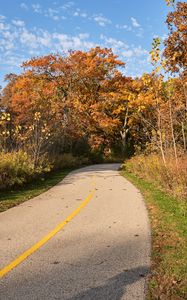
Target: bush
[
  {"x": 67, "y": 160},
  {"x": 96, "y": 157},
  {"x": 16, "y": 168},
  {"x": 171, "y": 178}
]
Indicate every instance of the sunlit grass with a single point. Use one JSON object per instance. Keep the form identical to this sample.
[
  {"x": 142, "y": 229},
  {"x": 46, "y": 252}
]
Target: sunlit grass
[
  {"x": 12, "y": 198},
  {"x": 168, "y": 278}
]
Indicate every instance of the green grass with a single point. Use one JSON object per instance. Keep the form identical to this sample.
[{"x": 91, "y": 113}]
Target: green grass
[
  {"x": 168, "y": 278},
  {"x": 12, "y": 198}
]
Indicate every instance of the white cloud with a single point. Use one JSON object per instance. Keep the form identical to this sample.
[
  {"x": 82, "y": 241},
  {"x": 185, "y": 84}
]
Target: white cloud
[
  {"x": 49, "y": 12},
  {"x": 18, "y": 23},
  {"x": 126, "y": 27},
  {"x": 24, "y": 6},
  {"x": 17, "y": 38},
  {"x": 101, "y": 20},
  {"x": 52, "y": 13},
  {"x": 39, "y": 40},
  {"x": 135, "y": 22},
  {"x": 164, "y": 36},
  {"x": 66, "y": 42},
  {"x": 3, "y": 26},
  {"x": 29, "y": 39},
  {"x": 37, "y": 8},
  {"x": 7, "y": 41},
  {"x": 83, "y": 15},
  {"x": 9, "y": 34},
  {"x": 139, "y": 51},
  {"x": 78, "y": 13},
  {"x": 84, "y": 35},
  {"x": 117, "y": 45},
  {"x": 68, "y": 5},
  {"x": 45, "y": 39},
  {"x": 123, "y": 49},
  {"x": 13, "y": 60},
  {"x": 127, "y": 53},
  {"x": 121, "y": 26},
  {"x": 2, "y": 17},
  {"x": 6, "y": 45}
]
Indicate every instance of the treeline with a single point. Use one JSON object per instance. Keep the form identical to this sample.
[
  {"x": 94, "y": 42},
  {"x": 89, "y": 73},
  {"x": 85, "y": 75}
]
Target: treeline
[{"x": 80, "y": 108}]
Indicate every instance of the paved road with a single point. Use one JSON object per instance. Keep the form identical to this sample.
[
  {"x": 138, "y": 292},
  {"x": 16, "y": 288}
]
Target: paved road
[{"x": 103, "y": 253}]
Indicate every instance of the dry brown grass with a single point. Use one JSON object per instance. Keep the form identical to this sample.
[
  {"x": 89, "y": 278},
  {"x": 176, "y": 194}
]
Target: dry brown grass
[{"x": 172, "y": 178}]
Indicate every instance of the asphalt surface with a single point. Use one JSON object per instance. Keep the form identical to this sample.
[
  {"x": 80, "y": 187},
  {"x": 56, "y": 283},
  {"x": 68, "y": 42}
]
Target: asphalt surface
[{"x": 103, "y": 253}]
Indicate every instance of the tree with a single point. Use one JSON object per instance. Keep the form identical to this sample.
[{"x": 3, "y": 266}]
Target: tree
[
  {"x": 67, "y": 98},
  {"x": 176, "y": 44}
]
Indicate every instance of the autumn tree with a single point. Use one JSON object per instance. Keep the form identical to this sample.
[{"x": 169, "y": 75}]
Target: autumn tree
[
  {"x": 66, "y": 97},
  {"x": 175, "y": 55},
  {"x": 176, "y": 44}
]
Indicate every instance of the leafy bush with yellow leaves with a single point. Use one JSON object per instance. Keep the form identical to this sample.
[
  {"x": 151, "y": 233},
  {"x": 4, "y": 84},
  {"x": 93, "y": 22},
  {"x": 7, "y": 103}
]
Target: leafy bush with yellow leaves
[{"x": 16, "y": 168}]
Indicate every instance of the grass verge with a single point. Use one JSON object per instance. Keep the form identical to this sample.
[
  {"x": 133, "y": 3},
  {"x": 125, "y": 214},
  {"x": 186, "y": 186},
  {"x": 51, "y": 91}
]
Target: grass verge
[
  {"x": 12, "y": 197},
  {"x": 168, "y": 279}
]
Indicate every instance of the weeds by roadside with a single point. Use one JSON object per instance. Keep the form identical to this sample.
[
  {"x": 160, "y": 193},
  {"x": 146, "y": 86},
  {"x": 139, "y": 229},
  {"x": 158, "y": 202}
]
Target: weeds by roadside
[{"x": 171, "y": 178}]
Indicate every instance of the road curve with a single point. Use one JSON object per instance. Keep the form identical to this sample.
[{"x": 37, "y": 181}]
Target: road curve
[{"x": 101, "y": 253}]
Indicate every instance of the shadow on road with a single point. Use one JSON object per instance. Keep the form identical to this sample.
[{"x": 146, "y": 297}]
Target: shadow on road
[{"x": 114, "y": 288}]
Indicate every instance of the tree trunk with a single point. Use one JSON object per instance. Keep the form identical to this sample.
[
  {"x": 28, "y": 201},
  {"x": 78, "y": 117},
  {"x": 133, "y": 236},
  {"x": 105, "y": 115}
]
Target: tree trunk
[
  {"x": 184, "y": 137},
  {"x": 124, "y": 133},
  {"x": 160, "y": 137},
  {"x": 172, "y": 132}
]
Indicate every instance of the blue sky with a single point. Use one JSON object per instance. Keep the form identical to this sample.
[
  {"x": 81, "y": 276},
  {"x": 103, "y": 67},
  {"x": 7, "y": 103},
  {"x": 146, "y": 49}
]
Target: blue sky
[{"x": 34, "y": 28}]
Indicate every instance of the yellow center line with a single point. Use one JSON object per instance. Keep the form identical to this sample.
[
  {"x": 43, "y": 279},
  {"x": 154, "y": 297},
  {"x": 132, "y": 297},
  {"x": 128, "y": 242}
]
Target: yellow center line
[{"x": 45, "y": 239}]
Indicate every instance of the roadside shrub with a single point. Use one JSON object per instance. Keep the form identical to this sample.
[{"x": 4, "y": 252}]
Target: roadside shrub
[
  {"x": 172, "y": 178},
  {"x": 16, "y": 168},
  {"x": 96, "y": 157},
  {"x": 66, "y": 160}
]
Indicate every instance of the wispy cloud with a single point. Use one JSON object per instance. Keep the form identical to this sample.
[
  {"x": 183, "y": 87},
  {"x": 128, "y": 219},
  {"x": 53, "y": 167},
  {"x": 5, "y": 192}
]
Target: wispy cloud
[
  {"x": 37, "y": 8},
  {"x": 117, "y": 45},
  {"x": 127, "y": 53},
  {"x": 2, "y": 17},
  {"x": 68, "y": 5},
  {"x": 78, "y": 13},
  {"x": 19, "y": 42},
  {"x": 123, "y": 49},
  {"x": 135, "y": 22},
  {"x": 17, "y": 38},
  {"x": 66, "y": 42},
  {"x": 24, "y": 6},
  {"x": 18, "y": 23},
  {"x": 135, "y": 27},
  {"x": 3, "y": 26},
  {"x": 52, "y": 13},
  {"x": 126, "y": 27},
  {"x": 101, "y": 20}
]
